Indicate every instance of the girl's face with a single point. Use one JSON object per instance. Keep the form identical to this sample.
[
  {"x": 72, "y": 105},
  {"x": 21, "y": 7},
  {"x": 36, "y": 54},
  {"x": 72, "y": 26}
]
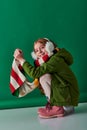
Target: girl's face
[{"x": 39, "y": 50}]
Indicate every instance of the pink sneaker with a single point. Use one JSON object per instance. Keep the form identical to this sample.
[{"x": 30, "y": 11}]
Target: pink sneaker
[
  {"x": 40, "y": 110},
  {"x": 55, "y": 111}
]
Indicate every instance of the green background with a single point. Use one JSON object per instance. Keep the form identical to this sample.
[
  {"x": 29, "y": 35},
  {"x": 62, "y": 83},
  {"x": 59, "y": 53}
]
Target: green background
[{"x": 24, "y": 21}]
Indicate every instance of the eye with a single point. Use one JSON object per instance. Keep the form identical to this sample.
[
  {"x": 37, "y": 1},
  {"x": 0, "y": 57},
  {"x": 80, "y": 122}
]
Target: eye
[
  {"x": 35, "y": 51},
  {"x": 42, "y": 47}
]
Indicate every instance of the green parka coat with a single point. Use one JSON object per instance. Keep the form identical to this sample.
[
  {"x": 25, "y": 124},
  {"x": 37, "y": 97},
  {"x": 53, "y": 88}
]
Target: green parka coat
[{"x": 64, "y": 85}]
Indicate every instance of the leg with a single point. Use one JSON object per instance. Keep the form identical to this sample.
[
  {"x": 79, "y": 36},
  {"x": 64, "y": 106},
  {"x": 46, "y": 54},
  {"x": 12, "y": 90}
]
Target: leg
[{"x": 45, "y": 82}]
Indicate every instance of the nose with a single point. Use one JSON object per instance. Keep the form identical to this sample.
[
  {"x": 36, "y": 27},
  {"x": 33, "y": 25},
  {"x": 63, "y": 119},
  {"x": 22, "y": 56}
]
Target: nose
[{"x": 40, "y": 50}]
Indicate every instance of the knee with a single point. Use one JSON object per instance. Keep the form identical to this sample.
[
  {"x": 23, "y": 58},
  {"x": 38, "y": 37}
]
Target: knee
[
  {"x": 42, "y": 79},
  {"x": 45, "y": 78}
]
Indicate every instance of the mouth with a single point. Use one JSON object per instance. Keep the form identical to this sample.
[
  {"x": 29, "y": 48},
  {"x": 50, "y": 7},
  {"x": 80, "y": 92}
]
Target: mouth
[{"x": 42, "y": 54}]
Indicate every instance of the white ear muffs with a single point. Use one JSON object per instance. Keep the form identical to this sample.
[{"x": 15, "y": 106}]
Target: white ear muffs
[
  {"x": 33, "y": 55},
  {"x": 49, "y": 48}
]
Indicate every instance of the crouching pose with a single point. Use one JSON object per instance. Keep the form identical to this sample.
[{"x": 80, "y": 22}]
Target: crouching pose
[{"x": 57, "y": 81}]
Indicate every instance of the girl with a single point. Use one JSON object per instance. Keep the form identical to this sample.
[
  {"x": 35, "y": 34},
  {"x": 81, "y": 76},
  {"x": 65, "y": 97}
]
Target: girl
[{"x": 58, "y": 82}]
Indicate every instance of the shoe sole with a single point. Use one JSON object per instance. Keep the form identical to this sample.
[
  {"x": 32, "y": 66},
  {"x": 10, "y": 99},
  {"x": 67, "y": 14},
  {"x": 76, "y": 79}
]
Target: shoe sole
[
  {"x": 65, "y": 113},
  {"x": 53, "y": 116}
]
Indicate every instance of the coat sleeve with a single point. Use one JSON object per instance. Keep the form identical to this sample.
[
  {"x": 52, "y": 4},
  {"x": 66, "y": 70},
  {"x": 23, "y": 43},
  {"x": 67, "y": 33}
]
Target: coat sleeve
[{"x": 52, "y": 66}]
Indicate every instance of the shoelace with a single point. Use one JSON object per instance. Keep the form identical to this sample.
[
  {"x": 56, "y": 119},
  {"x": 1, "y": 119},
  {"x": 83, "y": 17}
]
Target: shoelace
[{"x": 48, "y": 106}]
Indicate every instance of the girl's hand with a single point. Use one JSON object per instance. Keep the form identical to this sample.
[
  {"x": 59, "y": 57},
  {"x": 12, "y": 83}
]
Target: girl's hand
[{"x": 18, "y": 55}]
